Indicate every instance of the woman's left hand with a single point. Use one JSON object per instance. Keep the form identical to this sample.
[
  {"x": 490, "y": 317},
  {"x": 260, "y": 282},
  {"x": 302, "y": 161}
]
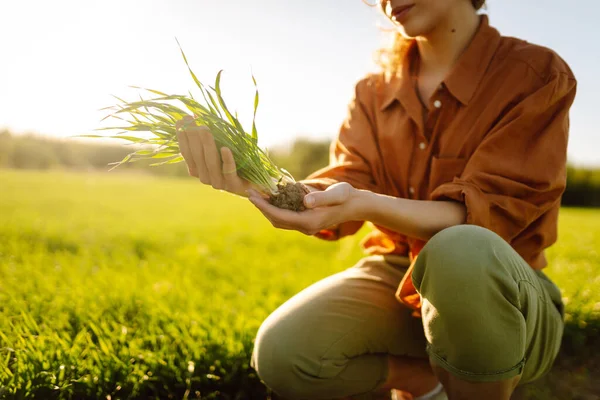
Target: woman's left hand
[{"x": 325, "y": 209}]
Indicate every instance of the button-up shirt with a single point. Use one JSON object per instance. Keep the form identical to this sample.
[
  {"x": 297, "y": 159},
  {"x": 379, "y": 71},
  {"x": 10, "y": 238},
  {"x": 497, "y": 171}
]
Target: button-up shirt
[{"x": 493, "y": 137}]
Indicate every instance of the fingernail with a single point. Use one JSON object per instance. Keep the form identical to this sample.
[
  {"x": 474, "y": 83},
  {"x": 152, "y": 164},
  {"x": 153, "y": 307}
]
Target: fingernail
[{"x": 309, "y": 201}]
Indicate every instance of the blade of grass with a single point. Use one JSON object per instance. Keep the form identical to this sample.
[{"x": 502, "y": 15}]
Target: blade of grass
[{"x": 254, "y": 132}]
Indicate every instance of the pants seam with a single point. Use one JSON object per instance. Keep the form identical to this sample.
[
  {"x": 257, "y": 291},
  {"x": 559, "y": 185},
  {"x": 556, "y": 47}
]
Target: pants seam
[
  {"x": 539, "y": 295},
  {"x": 452, "y": 368},
  {"x": 416, "y": 284}
]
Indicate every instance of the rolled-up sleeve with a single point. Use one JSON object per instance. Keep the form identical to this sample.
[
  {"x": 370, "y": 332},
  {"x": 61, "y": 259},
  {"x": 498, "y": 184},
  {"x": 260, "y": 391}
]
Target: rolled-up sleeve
[
  {"x": 516, "y": 176},
  {"x": 353, "y": 156}
]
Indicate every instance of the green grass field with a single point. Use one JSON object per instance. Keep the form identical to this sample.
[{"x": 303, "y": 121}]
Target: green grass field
[{"x": 132, "y": 286}]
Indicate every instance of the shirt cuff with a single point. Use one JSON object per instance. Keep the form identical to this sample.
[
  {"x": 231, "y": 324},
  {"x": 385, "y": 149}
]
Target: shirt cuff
[{"x": 478, "y": 207}]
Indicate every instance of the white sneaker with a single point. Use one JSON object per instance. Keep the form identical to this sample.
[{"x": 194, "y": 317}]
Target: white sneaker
[{"x": 440, "y": 396}]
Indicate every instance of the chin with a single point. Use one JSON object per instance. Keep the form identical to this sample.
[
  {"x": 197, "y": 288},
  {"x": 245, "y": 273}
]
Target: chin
[{"x": 415, "y": 27}]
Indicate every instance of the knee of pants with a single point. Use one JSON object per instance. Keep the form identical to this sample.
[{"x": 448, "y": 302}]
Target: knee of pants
[
  {"x": 281, "y": 363},
  {"x": 471, "y": 307},
  {"x": 460, "y": 258}
]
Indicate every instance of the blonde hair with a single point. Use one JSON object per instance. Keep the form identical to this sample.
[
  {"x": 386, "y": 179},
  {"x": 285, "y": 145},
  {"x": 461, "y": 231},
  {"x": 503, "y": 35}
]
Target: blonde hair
[{"x": 389, "y": 59}]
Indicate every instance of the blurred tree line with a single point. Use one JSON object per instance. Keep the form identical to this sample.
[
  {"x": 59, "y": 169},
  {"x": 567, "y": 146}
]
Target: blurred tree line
[
  {"x": 301, "y": 158},
  {"x": 38, "y": 152}
]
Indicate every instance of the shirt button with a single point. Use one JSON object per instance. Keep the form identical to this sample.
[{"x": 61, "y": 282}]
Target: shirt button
[
  {"x": 437, "y": 104},
  {"x": 422, "y": 145},
  {"x": 411, "y": 190}
]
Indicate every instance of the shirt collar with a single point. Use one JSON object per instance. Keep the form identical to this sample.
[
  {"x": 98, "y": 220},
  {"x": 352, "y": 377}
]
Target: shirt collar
[{"x": 466, "y": 75}]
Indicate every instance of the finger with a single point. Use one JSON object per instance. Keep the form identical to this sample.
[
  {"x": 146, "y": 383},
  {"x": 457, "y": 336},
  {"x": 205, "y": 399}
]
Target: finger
[
  {"x": 193, "y": 135},
  {"x": 229, "y": 170},
  {"x": 183, "y": 122},
  {"x": 305, "y": 222},
  {"x": 281, "y": 217},
  {"x": 184, "y": 149},
  {"x": 256, "y": 193},
  {"x": 213, "y": 162},
  {"x": 333, "y": 196},
  {"x": 275, "y": 223},
  {"x": 229, "y": 167}
]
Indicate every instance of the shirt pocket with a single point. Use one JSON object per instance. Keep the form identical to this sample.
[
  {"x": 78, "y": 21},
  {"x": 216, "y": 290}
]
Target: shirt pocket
[{"x": 444, "y": 170}]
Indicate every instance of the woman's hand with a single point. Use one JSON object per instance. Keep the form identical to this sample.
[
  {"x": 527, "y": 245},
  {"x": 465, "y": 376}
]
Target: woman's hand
[
  {"x": 199, "y": 150},
  {"x": 325, "y": 209}
]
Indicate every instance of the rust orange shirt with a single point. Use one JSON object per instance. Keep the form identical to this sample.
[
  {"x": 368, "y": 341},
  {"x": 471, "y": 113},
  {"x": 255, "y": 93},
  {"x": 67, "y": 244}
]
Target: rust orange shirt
[{"x": 493, "y": 137}]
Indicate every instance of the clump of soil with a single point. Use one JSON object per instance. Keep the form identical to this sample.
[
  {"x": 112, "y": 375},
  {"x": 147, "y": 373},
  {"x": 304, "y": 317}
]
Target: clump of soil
[{"x": 290, "y": 196}]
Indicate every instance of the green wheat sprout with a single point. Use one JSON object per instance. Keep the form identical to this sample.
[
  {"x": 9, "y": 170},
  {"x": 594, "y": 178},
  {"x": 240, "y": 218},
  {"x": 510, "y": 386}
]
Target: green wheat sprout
[{"x": 159, "y": 116}]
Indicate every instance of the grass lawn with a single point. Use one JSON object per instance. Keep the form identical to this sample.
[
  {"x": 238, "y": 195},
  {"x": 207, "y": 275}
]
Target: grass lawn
[{"x": 133, "y": 286}]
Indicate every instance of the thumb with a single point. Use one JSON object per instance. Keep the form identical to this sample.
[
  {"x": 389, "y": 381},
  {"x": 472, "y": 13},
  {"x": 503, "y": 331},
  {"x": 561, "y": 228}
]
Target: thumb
[{"x": 333, "y": 195}]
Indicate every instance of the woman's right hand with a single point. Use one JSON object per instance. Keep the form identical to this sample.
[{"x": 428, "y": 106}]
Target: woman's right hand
[{"x": 199, "y": 150}]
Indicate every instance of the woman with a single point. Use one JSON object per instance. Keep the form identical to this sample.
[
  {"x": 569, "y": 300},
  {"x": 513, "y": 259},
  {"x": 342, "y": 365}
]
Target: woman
[{"x": 456, "y": 153}]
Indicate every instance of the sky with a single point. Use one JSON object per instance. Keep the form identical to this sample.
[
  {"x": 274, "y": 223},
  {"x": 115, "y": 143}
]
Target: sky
[{"x": 62, "y": 60}]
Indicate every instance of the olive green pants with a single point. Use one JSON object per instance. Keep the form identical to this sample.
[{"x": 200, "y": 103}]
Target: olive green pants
[{"x": 487, "y": 316}]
